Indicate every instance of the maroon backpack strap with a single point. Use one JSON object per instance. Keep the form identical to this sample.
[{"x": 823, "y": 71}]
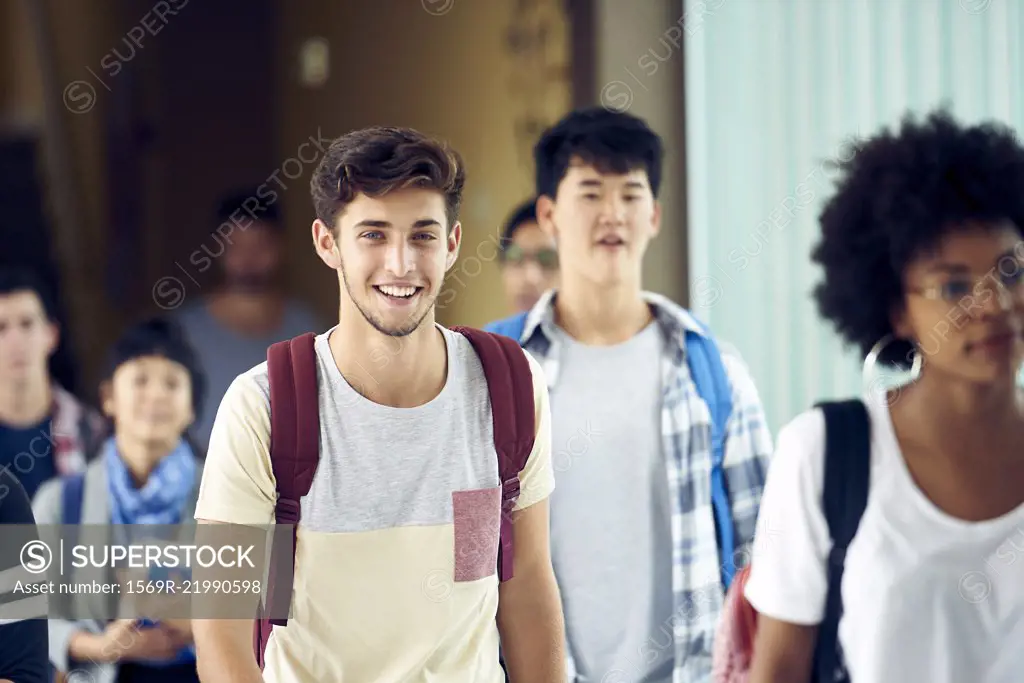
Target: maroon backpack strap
[
  {"x": 294, "y": 454},
  {"x": 510, "y": 384}
]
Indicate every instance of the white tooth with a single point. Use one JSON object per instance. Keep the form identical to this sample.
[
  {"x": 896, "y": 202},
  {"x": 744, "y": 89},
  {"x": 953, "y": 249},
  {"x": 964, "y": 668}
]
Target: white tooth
[{"x": 398, "y": 291}]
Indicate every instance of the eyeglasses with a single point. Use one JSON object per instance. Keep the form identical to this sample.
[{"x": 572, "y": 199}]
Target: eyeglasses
[
  {"x": 545, "y": 258},
  {"x": 955, "y": 289}
]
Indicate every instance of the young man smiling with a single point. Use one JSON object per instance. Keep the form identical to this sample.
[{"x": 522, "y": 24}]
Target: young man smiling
[
  {"x": 395, "y": 576},
  {"x": 640, "y": 562}
]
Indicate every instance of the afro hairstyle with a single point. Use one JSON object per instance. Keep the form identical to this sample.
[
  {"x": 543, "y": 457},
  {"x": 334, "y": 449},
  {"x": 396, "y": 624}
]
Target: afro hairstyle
[{"x": 898, "y": 195}]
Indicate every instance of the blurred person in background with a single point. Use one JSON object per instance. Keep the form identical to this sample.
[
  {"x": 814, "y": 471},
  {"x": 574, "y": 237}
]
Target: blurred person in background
[
  {"x": 528, "y": 259},
  {"x": 44, "y": 430},
  {"x": 923, "y": 260},
  {"x": 147, "y": 472},
  {"x": 232, "y": 328},
  {"x": 641, "y": 564},
  {"x": 23, "y": 626}
]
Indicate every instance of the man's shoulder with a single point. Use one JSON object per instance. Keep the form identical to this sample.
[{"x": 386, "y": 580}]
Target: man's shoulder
[
  {"x": 15, "y": 506},
  {"x": 250, "y": 388},
  {"x": 510, "y": 326},
  {"x": 257, "y": 378},
  {"x": 189, "y": 313}
]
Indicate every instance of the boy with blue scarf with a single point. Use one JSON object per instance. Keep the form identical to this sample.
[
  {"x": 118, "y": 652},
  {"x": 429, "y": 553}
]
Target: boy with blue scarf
[{"x": 148, "y": 473}]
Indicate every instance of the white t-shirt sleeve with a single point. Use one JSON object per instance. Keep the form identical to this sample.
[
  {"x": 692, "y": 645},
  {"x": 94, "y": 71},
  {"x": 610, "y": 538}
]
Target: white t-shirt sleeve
[{"x": 788, "y": 575}]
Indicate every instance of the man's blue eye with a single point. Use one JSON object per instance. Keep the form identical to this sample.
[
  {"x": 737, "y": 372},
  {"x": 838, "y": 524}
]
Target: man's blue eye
[{"x": 955, "y": 289}]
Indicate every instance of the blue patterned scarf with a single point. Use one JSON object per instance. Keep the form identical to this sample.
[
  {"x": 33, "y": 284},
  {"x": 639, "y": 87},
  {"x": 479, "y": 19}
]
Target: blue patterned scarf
[{"x": 161, "y": 500}]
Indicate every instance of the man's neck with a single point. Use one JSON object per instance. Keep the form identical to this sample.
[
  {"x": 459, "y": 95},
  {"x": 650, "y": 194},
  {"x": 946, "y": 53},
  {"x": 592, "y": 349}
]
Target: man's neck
[
  {"x": 601, "y": 316},
  {"x": 26, "y": 403},
  {"x": 401, "y": 372},
  {"x": 252, "y": 313}
]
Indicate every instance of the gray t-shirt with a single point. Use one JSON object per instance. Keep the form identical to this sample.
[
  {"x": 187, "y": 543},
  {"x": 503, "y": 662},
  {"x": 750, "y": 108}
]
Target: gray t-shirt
[
  {"x": 397, "y": 549},
  {"x": 610, "y": 512},
  {"x": 226, "y": 354}
]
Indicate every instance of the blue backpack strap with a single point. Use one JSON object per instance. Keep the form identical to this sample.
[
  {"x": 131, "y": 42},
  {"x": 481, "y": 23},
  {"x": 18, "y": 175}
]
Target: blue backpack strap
[
  {"x": 712, "y": 381},
  {"x": 511, "y": 326},
  {"x": 72, "y": 492}
]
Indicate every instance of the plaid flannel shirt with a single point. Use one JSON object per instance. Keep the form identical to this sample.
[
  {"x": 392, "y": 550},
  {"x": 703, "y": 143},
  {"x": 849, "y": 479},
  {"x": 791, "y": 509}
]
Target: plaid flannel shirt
[
  {"x": 697, "y": 589},
  {"x": 75, "y": 431}
]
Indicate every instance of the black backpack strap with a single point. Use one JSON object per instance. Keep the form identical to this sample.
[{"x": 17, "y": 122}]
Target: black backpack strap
[{"x": 847, "y": 475}]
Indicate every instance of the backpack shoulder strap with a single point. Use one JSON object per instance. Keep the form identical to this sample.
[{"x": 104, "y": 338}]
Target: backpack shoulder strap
[
  {"x": 845, "y": 495},
  {"x": 86, "y": 433},
  {"x": 294, "y": 455},
  {"x": 709, "y": 375},
  {"x": 72, "y": 493},
  {"x": 511, "y": 327},
  {"x": 510, "y": 385}
]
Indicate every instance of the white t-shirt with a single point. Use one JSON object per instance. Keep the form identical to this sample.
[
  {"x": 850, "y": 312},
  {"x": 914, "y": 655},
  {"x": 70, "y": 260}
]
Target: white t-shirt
[{"x": 926, "y": 597}]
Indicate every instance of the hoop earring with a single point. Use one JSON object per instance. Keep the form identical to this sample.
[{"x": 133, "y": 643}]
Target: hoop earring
[{"x": 868, "y": 371}]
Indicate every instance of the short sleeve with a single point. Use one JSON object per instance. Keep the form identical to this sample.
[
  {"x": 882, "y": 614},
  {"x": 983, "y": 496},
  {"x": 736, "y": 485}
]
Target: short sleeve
[
  {"x": 537, "y": 480},
  {"x": 238, "y": 485},
  {"x": 788, "y": 575}
]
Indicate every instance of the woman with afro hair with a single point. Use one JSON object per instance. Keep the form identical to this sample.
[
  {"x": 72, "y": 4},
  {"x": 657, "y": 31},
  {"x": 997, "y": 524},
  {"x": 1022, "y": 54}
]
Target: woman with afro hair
[{"x": 922, "y": 253}]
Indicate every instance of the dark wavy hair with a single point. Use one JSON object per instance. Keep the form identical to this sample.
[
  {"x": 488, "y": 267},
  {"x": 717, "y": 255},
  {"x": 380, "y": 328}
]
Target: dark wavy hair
[
  {"x": 378, "y": 160},
  {"x": 899, "y": 193}
]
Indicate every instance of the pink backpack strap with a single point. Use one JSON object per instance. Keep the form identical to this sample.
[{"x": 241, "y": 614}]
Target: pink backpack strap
[
  {"x": 510, "y": 384},
  {"x": 294, "y": 454}
]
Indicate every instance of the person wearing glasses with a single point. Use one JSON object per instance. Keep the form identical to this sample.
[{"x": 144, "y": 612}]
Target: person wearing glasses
[
  {"x": 529, "y": 261},
  {"x": 922, "y": 257}
]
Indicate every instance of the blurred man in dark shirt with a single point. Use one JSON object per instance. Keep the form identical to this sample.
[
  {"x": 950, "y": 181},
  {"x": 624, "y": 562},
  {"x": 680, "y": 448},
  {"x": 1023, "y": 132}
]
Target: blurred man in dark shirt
[
  {"x": 232, "y": 327},
  {"x": 44, "y": 430}
]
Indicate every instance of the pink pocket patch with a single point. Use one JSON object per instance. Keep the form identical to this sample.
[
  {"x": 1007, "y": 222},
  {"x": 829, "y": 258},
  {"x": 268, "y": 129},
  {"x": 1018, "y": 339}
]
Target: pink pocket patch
[{"x": 477, "y": 521}]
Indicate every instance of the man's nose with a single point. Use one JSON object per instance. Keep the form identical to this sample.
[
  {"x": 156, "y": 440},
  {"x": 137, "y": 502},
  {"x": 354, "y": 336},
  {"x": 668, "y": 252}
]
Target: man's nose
[
  {"x": 533, "y": 273},
  {"x": 613, "y": 209},
  {"x": 399, "y": 258}
]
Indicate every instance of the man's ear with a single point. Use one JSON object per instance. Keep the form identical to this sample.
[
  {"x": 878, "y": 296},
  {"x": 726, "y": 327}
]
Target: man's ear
[
  {"x": 326, "y": 244},
  {"x": 453, "y": 244},
  {"x": 107, "y": 398},
  {"x": 656, "y": 218},
  {"x": 52, "y": 337},
  {"x": 546, "y": 216}
]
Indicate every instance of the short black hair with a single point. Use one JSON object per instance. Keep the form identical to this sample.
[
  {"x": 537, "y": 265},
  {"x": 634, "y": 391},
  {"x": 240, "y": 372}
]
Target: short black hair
[
  {"x": 524, "y": 213},
  {"x": 611, "y": 141},
  {"x": 898, "y": 194},
  {"x": 14, "y": 279},
  {"x": 160, "y": 337},
  {"x": 249, "y": 204}
]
